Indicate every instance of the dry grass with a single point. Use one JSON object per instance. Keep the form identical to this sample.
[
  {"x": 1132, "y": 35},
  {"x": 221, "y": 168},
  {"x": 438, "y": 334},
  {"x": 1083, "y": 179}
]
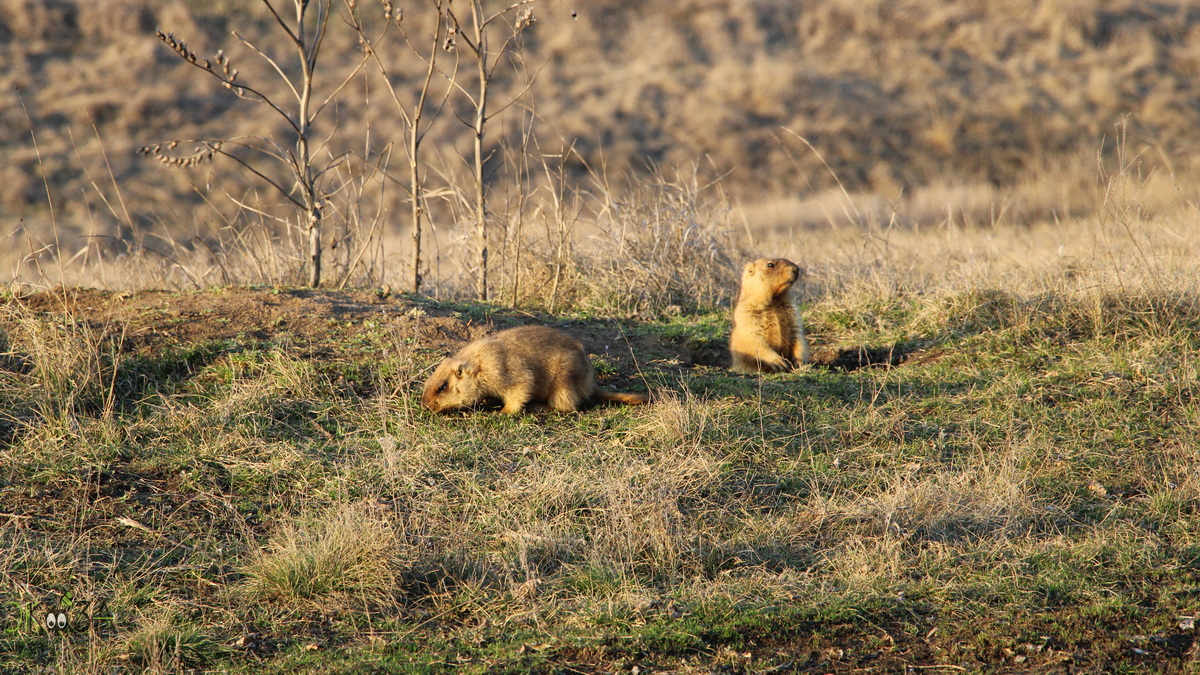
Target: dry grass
[
  {"x": 667, "y": 247},
  {"x": 349, "y": 554},
  {"x": 57, "y": 370},
  {"x": 165, "y": 642}
]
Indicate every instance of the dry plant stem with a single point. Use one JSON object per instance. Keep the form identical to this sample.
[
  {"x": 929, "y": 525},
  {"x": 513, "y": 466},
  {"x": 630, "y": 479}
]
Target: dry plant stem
[
  {"x": 849, "y": 205},
  {"x": 485, "y": 65},
  {"x": 415, "y": 135},
  {"x": 414, "y": 168},
  {"x": 522, "y": 162},
  {"x": 412, "y": 117},
  {"x": 556, "y": 179},
  {"x": 481, "y": 288},
  {"x": 46, "y": 184},
  {"x": 308, "y": 61}
]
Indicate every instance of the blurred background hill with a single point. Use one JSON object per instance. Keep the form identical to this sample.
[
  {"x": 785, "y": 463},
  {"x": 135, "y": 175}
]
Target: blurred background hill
[{"x": 985, "y": 112}]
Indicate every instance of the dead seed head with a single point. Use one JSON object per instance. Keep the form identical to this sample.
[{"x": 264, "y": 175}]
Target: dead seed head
[
  {"x": 524, "y": 20},
  {"x": 200, "y": 153},
  {"x": 179, "y": 46},
  {"x": 391, "y": 13}
]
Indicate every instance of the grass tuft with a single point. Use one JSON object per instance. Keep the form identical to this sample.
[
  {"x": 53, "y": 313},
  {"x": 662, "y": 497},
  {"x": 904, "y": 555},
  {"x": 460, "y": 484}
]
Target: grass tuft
[
  {"x": 347, "y": 554},
  {"x": 165, "y": 642}
]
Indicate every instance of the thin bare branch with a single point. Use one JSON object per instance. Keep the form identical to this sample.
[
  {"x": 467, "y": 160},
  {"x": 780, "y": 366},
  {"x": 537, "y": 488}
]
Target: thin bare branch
[
  {"x": 319, "y": 38},
  {"x": 243, "y": 205},
  {"x": 282, "y": 24},
  {"x": 506, "y": 10},
  {"x": 316, "y": 113},
  {"x": 287, "y": 193},
  {"x": 528, "y": 85},
  {"x": 277, "y": 68},
  {"x": 458, "y": 32}
]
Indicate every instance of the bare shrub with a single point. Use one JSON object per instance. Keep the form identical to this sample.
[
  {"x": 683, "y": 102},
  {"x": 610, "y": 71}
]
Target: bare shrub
[
  {"x": 475, "y": 38},
  {"x": 418, "y": 121},
  {"x": 306, "y": 180}
]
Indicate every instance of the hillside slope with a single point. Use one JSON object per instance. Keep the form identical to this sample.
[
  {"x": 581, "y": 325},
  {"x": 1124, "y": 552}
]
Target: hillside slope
[{"x": 892, "y": 95}]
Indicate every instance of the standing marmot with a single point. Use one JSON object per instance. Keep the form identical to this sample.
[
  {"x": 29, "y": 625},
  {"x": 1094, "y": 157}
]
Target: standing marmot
[
  {"x": 520, "y": 366},
  {"x": 767, "y": 334}
]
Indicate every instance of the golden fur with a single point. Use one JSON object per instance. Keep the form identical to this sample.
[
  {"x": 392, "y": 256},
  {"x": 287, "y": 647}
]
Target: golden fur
[
  {"x": 767, "y": 333},
  {"x": 530, "y": 366}
]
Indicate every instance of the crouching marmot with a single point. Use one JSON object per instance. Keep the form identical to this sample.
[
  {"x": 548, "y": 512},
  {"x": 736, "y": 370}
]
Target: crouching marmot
[
  {"x": 767, "y": 334},
  {"x": 530, "y": 365}
]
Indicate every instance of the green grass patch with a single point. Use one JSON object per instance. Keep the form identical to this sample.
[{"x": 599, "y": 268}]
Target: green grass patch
[{"x": 1014, "y": 502}]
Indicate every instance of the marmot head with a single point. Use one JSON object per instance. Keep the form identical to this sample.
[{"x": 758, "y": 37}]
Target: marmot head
[
  {"x": 454, "y": 384},
  {"x": 775, "y": 275}
]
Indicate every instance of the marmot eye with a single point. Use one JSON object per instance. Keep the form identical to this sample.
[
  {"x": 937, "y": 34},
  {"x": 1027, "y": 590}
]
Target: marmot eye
[
  {"x": 442, "y": 388},
  {"x": 770, "y": 264}
]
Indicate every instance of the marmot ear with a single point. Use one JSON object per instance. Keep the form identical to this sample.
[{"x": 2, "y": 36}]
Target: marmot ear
[
  {"x": 458, "y": 368},
  {"x": 748, "y": 270}
]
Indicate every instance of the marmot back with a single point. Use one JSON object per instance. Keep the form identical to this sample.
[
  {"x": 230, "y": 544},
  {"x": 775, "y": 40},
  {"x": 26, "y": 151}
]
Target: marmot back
[
  {"x": 527, "y": 366},
  {"x": 767, "y": 335}
]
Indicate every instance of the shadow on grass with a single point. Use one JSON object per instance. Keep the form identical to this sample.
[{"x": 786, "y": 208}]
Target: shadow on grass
[
  {"x": 853, "y": 358},
  {"x": 139, "y": 376}
]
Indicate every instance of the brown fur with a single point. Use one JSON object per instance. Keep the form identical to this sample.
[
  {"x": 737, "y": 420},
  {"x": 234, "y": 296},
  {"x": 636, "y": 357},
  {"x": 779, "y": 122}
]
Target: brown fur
[
  {"x": 532, "y": 366},
  {"x": 767, "y": 333}
]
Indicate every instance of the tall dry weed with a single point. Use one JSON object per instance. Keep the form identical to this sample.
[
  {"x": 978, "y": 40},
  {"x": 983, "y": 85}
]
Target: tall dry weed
[{"x": 668, "y": 246}]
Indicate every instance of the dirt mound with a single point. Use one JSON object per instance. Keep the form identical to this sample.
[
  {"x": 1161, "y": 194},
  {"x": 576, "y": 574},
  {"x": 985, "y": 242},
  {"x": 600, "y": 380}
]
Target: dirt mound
[
  {"x": 329, "y": 324},
  {"x": 309, "y": 317}
]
